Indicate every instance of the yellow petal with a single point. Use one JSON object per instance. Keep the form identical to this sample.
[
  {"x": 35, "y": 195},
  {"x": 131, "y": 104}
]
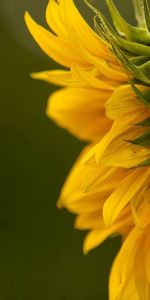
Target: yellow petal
[
  {"x": 122, "y": 102},
  {"x": 142, "y": 283},
  {"x": 95, "y": 238},
  {"x": 86, "y": 76},
  {"x": 53, "y": 18},
  {"x": 121, "y": 279},
  {"x": 124, "y": 154},
  {"x": 115, "y": 150},
  {"x": 102, "y": 179},
  {"x": 87, "y": 192},
  {"x": 130, "y": 277},
  {"x": 99, "y": 149},
  {"x": 129, "y": 291},
  {"x": 57, "y": 77},
  {"x": 59, "y": 50},
  {"x": 75, "y": 195},
  {"x": 146, "y": 254},
  {"x": 81, "y": 111},
  {"x": 64, "y": 19},
  {"x": 74, "y": 22},
  {"x": 88, "y": 220},
  {"x": 80, "y": 203},
  {"x": 101, "y": 233},
  {"x": 104, "y": 68},
  {"x": 126, "y": 191}
]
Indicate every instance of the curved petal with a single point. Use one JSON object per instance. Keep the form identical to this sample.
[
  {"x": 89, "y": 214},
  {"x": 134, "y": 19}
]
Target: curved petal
[
  {"x": 131, "y": 276},
  {"x": 68, "y": 18},
  {"x": 101, "y": 233},
  {"x": 97, "y": 152},
  {"x": 124, "y": 193},
  {"x": 140, "y": 276},
  {"x": 53, "y": 18},
  {"x": 76, "y": 195},
  {"x": 116, "y": 149},
  {"x": 88, "y": 220},
  {"x": 104, "y": 67},
  {"x": 58, "y": 77},
  {"x": 121, "y": 278},
  {"x": 129, "y": 103},
  {"x": 129, "y": 290},
  {"x": 58, "y": 49},
  {"x": 81, "y": 111},
  {"x": 90, "y": 79},
  {"x": 124, "y": 154}
]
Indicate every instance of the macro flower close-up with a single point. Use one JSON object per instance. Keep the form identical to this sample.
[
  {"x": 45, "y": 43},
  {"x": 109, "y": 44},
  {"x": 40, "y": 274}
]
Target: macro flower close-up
[
  {"x": 104, "y": 100},
  {"x": 75, "y": 171}
]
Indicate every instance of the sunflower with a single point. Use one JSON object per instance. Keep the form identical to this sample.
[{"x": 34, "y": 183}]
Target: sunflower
[{"x": 105, "y": 100}]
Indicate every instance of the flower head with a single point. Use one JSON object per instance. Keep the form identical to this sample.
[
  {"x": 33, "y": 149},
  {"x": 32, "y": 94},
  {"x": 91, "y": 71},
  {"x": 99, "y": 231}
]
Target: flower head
[{"x": 105, "y": 99}]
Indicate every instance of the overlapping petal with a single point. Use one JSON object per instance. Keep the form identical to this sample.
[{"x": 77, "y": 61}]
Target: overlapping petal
[
  {"x": 116, "y": 147},
  {"x": 104, "y": 100},
  {"x": 134, "y": 261},
  {"x": 90, "y": 65},
  {"x": 86, "y": 196},
  {"x": 81, "y": 111}
]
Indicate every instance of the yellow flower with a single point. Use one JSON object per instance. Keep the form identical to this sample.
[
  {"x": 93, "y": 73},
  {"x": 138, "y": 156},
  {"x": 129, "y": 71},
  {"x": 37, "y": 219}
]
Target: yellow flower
[
  {"x": 130, "y": 276},
  {"x": 105, "y": 100},
  {"x": 96, "y": 104},
  {"x": 92, "y": 75}
]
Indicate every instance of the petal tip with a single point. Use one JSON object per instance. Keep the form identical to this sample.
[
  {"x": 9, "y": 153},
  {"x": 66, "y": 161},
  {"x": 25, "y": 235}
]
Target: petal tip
[{"x": 27, "y": 17}]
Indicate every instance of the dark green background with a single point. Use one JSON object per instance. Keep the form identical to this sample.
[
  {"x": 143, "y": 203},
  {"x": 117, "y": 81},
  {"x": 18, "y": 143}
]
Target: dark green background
[{"x": 40, "y": 252}]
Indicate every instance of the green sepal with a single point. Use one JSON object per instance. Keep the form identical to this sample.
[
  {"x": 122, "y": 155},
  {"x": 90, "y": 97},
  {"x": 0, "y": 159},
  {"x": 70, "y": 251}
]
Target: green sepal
[
  {"x": 145, "y": 68},
  {"x": 106, "y": 29},
  {"x": 145, "y": 163},
  {"x": 139, "y": 60},
  {"x": 141, "y": 72},
  {"x": 139, "y": 12},
  {"x": 133, "y": 47},
  {"x": 120, "y": 24},
  {"x": 142, "y": 95},
  {"x": 146, "y": 122},
  {"x": 132, "y": 33},
  {"x": 135, "y": 71},
  {"x": 136, "y": 67},
  {"x": 109, "y": 33},
  {"x": 143, "y": 140},
  {"x": 100, "y": 31}
]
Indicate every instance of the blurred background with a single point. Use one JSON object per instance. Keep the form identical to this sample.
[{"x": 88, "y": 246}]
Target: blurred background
[{"x": 40, "y": 252}]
